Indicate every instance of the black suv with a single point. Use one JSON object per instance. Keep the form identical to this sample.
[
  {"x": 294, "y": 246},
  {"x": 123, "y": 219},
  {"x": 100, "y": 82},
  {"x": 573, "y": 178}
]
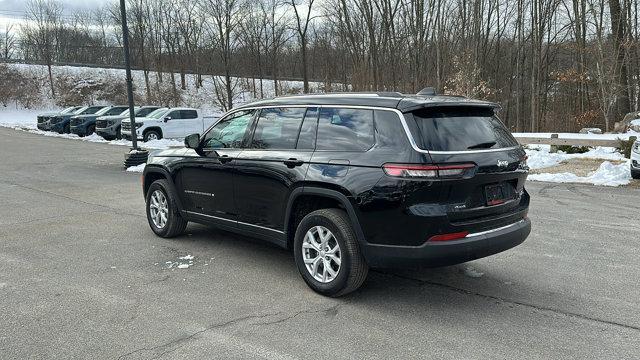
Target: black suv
[{"x": 350, "y": 182}]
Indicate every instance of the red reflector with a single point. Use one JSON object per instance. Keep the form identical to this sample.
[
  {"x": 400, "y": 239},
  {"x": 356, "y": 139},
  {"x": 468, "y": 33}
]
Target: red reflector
[
  {"x": 449, "y": 237},
  {"x": 495, "y": 202}
]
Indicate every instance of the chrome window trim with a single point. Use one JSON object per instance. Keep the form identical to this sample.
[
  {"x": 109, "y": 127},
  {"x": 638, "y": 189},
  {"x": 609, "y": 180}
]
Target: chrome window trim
[{"x": 400, "y": 114}]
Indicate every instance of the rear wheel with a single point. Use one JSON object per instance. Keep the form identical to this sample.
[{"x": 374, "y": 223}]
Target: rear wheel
[
  {"x": 162, "y": 212},
  {"x": 327, "y": 253}
]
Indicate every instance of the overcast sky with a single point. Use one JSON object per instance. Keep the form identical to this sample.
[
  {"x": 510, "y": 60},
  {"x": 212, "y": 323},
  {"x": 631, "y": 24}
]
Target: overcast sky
[
  {"x": 11, "y": 11},
  {"x": 69, "y": 5}
]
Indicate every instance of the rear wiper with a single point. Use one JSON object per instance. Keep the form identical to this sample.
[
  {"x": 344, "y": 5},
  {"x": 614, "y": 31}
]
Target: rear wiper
[{"x": 484, "y": 145}]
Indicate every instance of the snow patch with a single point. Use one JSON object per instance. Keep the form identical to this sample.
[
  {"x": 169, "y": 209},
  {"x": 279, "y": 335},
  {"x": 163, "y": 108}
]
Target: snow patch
[
  {"x": 137, "y": 168},
  {"x": 608, "y": 174},
  {"x": 184, "y": 262},
  {"x": 540, "y": 156}
]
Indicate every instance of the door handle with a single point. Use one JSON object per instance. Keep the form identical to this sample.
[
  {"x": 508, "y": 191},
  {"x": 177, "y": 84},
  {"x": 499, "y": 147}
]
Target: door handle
[
  {"x": 225, "y": 159},
  {"x": 293, "y": 162}
]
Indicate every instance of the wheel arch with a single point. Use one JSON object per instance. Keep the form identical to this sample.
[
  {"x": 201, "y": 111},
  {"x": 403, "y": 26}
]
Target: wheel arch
[
  {"x": 153, "y": 128},
  {"x": 329, "y": 195},
  {"x": 153, "y": 173}
]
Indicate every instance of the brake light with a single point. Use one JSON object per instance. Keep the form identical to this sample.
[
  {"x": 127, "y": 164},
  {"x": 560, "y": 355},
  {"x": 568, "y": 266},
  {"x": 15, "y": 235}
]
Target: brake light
[
  {"x": 426, "y": 171},
  {"x": 449, "y": 237}
]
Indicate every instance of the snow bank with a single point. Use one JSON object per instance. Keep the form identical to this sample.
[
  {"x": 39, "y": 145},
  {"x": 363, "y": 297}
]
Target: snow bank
[
  {"x": 540, "y": 156},
  {"x": 20, "y": 118},
  {"x": 137, "y": 168},
  {"x": 578, "y": 136},
  {"x": 608, "y": 174},
  {"x": 25, "y": 120}
]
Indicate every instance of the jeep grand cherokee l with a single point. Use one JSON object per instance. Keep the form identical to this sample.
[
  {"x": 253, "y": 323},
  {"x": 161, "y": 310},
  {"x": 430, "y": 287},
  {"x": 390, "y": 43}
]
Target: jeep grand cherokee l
[{"x": 350, "y": 182}]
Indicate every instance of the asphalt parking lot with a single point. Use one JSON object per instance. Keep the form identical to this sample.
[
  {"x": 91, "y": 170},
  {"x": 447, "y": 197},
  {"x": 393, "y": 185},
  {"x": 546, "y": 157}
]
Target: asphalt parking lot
[{"x": 82, "y": 276}]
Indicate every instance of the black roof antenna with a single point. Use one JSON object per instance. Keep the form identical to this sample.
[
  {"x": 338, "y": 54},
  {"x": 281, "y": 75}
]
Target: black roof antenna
[{"x": 428, "y": 91}]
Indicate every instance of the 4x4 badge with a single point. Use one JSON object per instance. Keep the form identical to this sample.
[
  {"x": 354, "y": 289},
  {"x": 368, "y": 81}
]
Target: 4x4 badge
[{"x": 503, "y": 163}]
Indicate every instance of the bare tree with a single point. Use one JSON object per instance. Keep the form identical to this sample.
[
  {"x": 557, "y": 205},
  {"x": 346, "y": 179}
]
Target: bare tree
[
  {"x": 44, "y": 18},
  {"x": 8, "y": 42},
  {"x": 303, "y": 20}
]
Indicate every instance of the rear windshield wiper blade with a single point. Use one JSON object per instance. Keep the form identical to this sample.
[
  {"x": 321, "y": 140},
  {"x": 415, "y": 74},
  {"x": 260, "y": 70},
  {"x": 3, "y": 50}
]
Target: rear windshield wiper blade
[{"x": 484, "y": 145}]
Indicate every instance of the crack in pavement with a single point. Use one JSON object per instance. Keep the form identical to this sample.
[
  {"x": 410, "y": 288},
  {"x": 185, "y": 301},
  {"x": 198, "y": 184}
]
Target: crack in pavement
[
  {"x": 181, "y": 340},
  {"x": 515, "y": 302},
  {"x": 51, "y": 218},
  {"x": 192, "y": 335},
  {"x": 114, "y": 210}
]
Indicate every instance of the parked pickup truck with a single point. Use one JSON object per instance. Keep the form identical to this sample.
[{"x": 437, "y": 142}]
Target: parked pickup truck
[
  {"x": 44, "y": 120},
  {"x": 83, "y": 125},
  {"x": 61, "y": 123},
  {"x": 109, "y": 126},
  {"x": 170, "y": 123}
]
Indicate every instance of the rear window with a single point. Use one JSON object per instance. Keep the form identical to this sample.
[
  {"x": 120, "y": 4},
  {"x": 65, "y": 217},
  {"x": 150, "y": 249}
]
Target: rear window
[{"x": 461, "y": 129}]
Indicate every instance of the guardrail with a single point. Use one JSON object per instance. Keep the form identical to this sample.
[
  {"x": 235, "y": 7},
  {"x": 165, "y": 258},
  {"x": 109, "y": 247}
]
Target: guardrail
[{"x": 556, "y": 141}]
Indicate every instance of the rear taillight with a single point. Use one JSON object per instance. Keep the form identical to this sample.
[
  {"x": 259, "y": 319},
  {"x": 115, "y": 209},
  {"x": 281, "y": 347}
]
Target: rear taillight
[{"x": 427, "y": 171}]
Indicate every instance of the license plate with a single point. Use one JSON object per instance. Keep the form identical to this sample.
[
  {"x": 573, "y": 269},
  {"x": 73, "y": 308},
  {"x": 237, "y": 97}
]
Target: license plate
[{"x": 495, "y": 194}]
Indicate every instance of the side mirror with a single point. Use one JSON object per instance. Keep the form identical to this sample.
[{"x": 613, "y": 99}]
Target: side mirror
[
  {"x": 167, "y": 118},
  {"x": 192, "y": 141}
]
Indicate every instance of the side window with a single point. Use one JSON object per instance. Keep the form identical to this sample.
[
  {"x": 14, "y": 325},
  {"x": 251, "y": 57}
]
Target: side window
[
  {"x": 175, "y": 115},
  {"x": 345, "y": 129},
  {"x": 307, "y": 137},
  {"x": 278, "y": 128},
  {"x": 188, "y": 114},
  {"x": 115, "y": 111},
  {"x": 229, "y": 132}
]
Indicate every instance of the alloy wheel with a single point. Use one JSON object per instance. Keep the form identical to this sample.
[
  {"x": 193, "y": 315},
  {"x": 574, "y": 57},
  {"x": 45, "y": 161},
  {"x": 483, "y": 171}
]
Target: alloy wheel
[
  {"x": 159, "y": 209},
  {"x": 321, "y": 254}
]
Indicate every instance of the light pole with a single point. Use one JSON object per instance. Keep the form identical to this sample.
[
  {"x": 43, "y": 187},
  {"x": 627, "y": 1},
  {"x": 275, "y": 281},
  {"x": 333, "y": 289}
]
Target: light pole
[{"x": 135, "y": 156}]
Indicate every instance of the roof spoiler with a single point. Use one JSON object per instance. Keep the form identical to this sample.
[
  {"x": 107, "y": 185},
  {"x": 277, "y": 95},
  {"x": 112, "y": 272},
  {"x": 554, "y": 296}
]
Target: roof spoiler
[{"x": 428, "y": 91}]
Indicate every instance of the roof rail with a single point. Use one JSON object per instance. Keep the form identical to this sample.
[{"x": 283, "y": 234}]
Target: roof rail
[{"x": 428, "y": 91}]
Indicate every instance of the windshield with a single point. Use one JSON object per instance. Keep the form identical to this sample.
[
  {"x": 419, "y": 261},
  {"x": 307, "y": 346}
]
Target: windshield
[
  {"x": 126, "y": 112},
  {"x": 92, "y": 110},
  {"x": 103, "y": 111},
  {"x": 81, "y": 110},
  {"x": 68, "y": 110},
  {"x": 461, "y": 129},
  {"x": 158, "y": 113}
]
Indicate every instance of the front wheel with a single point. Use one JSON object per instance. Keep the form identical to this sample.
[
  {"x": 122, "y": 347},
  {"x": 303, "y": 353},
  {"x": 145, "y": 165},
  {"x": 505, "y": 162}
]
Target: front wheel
[
  {"x": 152, "y": 135},
  {"x": 327, "y": 253},
  {"x": 162, "y": 212},
  {"x": 635, "y": 174}
]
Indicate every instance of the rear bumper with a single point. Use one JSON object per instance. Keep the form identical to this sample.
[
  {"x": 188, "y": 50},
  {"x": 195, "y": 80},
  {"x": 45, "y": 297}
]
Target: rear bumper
[{"x": 433, "y": 254}]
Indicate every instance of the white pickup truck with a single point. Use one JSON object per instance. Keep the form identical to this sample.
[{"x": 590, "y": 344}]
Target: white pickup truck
[{"x": 169, "y": 123}]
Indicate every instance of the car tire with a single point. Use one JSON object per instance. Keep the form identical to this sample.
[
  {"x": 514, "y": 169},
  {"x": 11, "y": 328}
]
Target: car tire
[
  {"x": 90, "y": 130},
  {"x": 635, "y": 174},
  {"x": 119, "y": 133},
  {"x": 174, "y": 224},
  {"x": 352, "y": 270},
  {"x": 66, "y": 129},
  {"x": 149, "y": 135}
]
